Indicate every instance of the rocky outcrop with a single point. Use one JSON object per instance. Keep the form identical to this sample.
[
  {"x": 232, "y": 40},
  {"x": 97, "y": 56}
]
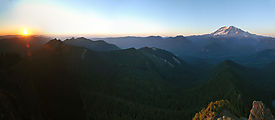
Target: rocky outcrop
[
  {"x": 260, "y": 112},
  {"x": 219, "y": 110},
  {"x": 222, "y": 110}
]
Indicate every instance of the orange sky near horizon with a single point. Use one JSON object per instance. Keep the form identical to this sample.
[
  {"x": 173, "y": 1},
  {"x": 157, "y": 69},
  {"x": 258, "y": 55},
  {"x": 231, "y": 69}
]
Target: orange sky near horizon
[
  {"x": 19, "y": 31},
  {"x": 112, "y": 18}
]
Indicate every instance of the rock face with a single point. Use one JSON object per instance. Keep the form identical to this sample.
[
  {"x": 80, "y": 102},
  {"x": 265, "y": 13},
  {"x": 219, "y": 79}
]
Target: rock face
[
  {"x": 222, "y": 110},
  {"x": 219, "y": 110},
  {"x": 260, "y": 112}
]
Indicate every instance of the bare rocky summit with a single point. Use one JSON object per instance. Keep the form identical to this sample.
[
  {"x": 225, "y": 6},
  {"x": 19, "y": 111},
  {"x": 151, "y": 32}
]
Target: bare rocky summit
[
  {"x": 260, "y": 112},
  {"x": 222, "y": 110}
]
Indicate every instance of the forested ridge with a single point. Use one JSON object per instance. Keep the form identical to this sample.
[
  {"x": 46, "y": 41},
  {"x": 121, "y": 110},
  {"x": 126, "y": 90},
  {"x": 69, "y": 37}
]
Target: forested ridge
[{"x": 61, "y": 81}]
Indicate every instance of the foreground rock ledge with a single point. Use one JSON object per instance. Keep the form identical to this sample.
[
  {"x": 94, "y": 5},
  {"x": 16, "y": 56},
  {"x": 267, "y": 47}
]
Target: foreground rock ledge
[{"x": 260, "y": 112}]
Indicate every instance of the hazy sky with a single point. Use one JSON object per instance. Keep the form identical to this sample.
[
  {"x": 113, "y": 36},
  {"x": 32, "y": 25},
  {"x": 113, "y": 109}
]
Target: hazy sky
[{"x": 135, "y": 17}]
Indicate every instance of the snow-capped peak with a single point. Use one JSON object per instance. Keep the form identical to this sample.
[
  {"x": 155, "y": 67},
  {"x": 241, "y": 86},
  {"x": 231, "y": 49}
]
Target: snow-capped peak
[{"x": 230, "y": 31}]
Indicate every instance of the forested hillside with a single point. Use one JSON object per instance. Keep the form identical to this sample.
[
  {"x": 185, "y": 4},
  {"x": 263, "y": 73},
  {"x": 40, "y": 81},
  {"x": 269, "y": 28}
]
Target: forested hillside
[{"x": 59, "y": 81}]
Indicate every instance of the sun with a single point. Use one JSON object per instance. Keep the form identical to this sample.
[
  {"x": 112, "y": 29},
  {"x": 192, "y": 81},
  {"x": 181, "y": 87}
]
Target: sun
[{"x": 25, "y": 32}]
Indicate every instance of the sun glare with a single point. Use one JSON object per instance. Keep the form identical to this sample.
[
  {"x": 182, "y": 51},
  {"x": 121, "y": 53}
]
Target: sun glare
[{"x": 25, "y": 32}]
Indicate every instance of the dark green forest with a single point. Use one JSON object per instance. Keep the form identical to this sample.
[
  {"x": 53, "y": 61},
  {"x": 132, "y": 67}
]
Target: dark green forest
[{"x": 60, "y": 81}]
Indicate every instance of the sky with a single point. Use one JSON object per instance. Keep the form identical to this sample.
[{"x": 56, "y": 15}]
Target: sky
[{"x": 135, "y": 17}]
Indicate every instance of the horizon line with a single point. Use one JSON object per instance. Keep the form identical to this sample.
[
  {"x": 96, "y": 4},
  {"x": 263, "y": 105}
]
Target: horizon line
[{"x": 111, "y": 36}]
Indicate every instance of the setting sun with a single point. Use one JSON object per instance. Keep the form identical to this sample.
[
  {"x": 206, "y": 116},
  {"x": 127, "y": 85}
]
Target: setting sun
[{"x": 25, "y": 32}]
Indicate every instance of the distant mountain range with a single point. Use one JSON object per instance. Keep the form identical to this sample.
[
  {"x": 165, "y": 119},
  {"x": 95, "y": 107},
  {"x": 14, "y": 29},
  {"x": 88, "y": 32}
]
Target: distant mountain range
[{"x": 225, "y": 43}]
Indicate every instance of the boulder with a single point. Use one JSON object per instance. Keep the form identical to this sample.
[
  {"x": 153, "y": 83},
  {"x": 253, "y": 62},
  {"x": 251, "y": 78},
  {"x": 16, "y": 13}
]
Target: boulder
[{"x": 260, "y": 112}]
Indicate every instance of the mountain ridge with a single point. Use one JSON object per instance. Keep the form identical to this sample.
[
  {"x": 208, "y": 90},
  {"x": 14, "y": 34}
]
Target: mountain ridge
[{"x": 98, "y": 45}]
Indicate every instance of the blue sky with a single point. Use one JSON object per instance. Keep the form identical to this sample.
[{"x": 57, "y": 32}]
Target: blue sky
[{"x": 136, "y": 17}]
